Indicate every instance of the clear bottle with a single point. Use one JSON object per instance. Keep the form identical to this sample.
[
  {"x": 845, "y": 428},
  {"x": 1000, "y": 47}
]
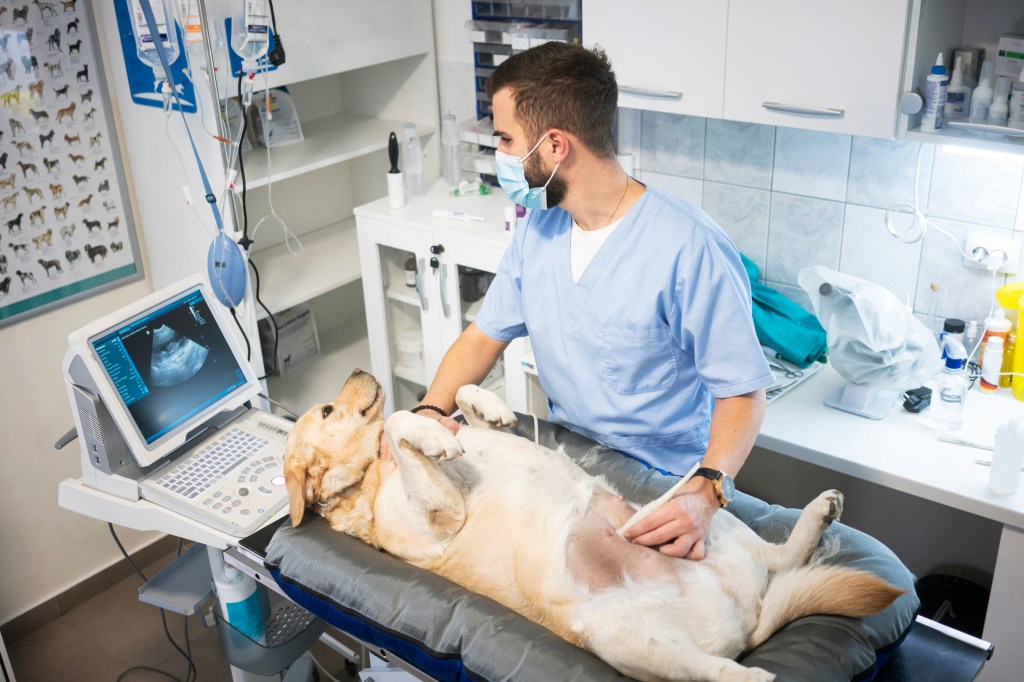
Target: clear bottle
[
  {"x": 981, "y": 98},
  {"x": 992, "y": 364},
  {"x": 1015, "y": 113},
  {"x": 1007, "y": 458},
  {"x": 145, "y": 47},
  {"x": 250, "y": 32},
  {"x": 934, "y": 97},
  {"x": 412, "y": 158},
  {"x": 450, "y": 150},
  {"x": 946, "y": 412},
  {"x": 999, "y": 113},
  {"x": 958, "y": 95}
]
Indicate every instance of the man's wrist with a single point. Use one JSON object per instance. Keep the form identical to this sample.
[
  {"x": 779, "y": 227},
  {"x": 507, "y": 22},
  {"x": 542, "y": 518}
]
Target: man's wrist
[{"x": 706, "y": 488}]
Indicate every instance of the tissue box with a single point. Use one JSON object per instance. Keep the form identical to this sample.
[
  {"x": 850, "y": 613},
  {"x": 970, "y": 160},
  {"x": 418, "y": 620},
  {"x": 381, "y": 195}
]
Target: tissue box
[
  {"x": 1010, "y": 56},
  {"x": 297, "y": 340}
]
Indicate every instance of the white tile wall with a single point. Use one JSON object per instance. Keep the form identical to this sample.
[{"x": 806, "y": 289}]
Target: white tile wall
[{"x": 793, "y": 198}]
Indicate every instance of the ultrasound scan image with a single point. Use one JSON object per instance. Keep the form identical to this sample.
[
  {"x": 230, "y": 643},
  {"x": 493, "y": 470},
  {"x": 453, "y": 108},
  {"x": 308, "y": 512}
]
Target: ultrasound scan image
[{"x": 176, "y": 358}]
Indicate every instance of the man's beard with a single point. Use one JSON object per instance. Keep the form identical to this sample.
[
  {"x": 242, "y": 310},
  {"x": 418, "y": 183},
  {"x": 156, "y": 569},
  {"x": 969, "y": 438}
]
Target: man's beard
[{"x": 537, "y": 176}]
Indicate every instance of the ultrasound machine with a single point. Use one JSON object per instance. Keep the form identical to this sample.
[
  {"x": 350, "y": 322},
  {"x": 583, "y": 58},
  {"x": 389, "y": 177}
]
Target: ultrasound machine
[{"x": 160, "y": 393}]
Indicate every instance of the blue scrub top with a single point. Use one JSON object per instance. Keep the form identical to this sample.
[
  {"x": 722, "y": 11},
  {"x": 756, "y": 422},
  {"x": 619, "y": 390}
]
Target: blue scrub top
[{"x": 660, "y": 322}]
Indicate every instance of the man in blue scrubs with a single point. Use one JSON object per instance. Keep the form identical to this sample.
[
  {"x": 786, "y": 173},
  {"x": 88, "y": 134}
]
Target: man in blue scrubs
[{"x": 636, "y": 303}]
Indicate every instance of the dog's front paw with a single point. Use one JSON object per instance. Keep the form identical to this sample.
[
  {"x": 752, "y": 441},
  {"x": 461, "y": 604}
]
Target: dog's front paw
[
  {"x": 829, "y": 505},
  {"x": 749, "y": 675},
  {"x": 423, "y": 434},
  {"x": 485, "y": 405}
]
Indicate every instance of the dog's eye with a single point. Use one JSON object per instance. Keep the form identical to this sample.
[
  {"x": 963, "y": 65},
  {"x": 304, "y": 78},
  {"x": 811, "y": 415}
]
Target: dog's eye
[{"x": 326, "y": 411}]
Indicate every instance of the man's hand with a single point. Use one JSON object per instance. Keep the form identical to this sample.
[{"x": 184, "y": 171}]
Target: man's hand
[{"x": 678, "y": 528}]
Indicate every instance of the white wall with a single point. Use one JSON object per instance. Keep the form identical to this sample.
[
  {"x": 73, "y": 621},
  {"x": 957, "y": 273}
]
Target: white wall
[{"x": 455, "y": 81}]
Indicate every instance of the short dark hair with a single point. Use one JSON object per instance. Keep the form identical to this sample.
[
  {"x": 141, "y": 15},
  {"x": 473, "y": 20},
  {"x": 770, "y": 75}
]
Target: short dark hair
[{"x": 556, "y": 85}]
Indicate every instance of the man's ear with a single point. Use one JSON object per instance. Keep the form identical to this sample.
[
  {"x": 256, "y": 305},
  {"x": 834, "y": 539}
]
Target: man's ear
[{"x": 558, "y": 143}]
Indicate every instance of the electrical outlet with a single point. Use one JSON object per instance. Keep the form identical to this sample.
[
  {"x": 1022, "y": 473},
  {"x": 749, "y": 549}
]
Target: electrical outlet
[{"x": 984, "y": 244}]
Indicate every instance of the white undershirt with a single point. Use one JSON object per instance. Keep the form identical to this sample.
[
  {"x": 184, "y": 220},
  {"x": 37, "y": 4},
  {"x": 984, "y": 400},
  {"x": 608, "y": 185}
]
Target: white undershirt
[{"x": 584, "y": 245}]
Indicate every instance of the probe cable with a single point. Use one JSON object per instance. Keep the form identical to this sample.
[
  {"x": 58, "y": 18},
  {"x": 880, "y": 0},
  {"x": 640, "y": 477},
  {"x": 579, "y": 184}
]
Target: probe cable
[{"x": 193, "y": 673}]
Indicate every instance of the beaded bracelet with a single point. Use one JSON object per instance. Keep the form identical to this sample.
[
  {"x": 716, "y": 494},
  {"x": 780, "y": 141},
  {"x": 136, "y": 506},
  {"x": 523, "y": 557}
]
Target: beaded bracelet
[{"x": 429, "y": 407}]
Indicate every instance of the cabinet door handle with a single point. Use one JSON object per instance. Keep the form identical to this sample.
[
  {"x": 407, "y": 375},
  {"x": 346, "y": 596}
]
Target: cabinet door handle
[
  {"x": 443, "y": 285},
  {"x": 809, "y": 111},
  {"x": 420, "y": 286},
  {"x": 650, "y": 92}
]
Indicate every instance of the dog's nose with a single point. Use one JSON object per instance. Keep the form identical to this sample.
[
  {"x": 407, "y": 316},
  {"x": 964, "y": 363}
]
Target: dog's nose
[{"x": 356, "y": 372}]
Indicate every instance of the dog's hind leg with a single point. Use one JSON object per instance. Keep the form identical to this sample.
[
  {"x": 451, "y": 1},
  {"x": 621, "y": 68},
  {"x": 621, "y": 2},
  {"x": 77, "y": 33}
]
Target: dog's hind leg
[
  {"x": 814, "y": 520},
  {"x": 642, "y": 635},
  {"x": 483, "y": 409}
]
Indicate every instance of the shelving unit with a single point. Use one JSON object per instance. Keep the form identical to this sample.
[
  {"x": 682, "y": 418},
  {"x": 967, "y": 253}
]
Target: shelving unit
[{"x": 326, "y": 141}]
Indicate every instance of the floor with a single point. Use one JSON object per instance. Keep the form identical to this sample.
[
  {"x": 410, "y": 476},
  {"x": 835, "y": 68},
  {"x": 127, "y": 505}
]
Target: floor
[{"x": 114, "y": 631}]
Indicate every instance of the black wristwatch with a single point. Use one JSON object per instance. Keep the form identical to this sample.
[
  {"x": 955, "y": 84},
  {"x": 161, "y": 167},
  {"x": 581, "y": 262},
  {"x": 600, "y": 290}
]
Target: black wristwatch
[{"x": 725, "y": 488}]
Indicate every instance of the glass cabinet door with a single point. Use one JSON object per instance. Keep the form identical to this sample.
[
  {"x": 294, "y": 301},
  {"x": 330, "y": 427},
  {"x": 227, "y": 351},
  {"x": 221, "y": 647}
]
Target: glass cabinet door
[{"x": 405, "y": 302}]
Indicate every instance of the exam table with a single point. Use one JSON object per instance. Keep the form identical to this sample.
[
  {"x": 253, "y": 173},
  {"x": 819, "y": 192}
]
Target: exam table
[{"x": 449, "y": 633}]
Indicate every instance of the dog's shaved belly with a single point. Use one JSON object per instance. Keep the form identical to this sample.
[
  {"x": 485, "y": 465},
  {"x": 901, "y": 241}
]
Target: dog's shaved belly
[{"x": 598, "y": 558}]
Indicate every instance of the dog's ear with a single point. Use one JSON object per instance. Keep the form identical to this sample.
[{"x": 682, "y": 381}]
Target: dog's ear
[{"x": 296, "y": 460}]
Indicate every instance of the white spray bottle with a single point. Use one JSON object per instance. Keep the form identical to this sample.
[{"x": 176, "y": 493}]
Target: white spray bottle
[
  {"x": 958, "y": 94},
  {"x": 934, "y": 97},
  {"x": 981, "y": 98}
]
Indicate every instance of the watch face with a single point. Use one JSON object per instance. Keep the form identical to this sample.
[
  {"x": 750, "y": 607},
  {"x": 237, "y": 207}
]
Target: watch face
[{"x": 728, "y": 487}]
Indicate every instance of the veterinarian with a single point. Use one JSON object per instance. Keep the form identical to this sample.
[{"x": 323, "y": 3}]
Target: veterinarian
[{"x": 635, "y": 301}]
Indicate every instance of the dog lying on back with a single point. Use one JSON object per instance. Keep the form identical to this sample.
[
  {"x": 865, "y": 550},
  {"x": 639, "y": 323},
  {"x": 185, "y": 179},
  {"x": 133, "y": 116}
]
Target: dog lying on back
[{"x": 527, "y": 527}]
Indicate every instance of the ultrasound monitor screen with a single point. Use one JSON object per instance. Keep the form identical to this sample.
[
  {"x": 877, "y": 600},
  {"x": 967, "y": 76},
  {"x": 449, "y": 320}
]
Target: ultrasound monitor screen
[{"x": 169, "y": 364}]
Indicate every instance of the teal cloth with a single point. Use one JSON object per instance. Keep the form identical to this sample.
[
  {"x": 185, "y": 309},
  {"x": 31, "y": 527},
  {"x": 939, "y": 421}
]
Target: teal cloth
[{"x": 795, "y": 334}]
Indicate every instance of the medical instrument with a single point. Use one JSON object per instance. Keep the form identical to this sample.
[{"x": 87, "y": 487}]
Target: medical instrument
[
  {"x": 1007, "y": 458},
  {"x": 160, "y": 392},
  {"x": 396, "y": 183},
  {"x": 646, "y": 510},
  {"x": 968, "y": 443},
  {"x": 250, "y": 32},
  {"x": 146, "y": 46},
  {"x": 988, "y": 463},
  {"x": 471, "y": 187},
  {"x": 456, "y": 215},
  {"x": 225, "y": 263},
  {"x": 917, "y": 399}
]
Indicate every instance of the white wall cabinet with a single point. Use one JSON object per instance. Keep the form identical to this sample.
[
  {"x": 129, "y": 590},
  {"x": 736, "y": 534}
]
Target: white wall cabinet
[
  {"x": 668, "y": 55},
  {"x": 834, "y": 67},
  {"x": 826, "y": 66},
  {"x": 454, "y": 262}
]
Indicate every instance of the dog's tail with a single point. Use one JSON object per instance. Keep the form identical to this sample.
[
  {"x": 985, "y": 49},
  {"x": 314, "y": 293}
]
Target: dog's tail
[{"x": 821, "y": 589}]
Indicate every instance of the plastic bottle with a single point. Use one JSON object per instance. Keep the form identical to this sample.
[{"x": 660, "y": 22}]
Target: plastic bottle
[
  {"x": 981, "y": 98},
  {"x": 992, "y": 362},
  {"x": 145, "y": 48},
  {"x": 999, "y": 113},
  {"x": 1007, "y": 458},
  {"x": 952, "y": 329},
  {"x": 250, "y": 32},
  {"x": 450, "y": 150},
  {"x": 971, "y": 335},
  {"x": 412, "y": 158},
  {"x": 1006, "y": 378},
  {"x": 934, "y": 305},
  {"x": 958, "y": 95},
  {"x": 240, "y": 602},
  {"x": 934, "y": 97},
  {"x": 1018, "y": 359},
  {"x": 410, "y": 272},
  {"x": 946, "y": 412},
  {"x": 995, "y": 325},
  {"x": 1015, "y": 113}
]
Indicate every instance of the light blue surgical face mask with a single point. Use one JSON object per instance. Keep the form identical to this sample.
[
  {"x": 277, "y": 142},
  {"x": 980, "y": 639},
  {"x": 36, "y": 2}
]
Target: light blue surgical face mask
[{"x": 512, "y": 178}]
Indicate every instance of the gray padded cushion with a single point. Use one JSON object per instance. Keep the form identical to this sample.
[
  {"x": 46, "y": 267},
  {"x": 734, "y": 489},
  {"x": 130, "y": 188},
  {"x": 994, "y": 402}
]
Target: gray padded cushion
[{"x": 495, "y": 643}]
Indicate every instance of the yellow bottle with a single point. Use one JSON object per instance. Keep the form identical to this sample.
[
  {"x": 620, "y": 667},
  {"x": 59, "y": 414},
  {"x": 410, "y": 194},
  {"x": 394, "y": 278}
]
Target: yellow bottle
[{"x": 1018, "y": 359}]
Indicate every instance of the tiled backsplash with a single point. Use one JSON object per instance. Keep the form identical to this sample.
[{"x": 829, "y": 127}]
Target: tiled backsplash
[{"x": 792, "y": 198}]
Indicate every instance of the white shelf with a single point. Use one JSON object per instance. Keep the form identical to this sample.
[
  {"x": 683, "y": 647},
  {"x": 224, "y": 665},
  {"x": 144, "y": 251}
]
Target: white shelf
[
  {"x": 342, "y": 349},
  {"x": 403, "y": 294},
  {"x": 327, "y": 141},
  {"x": 416, "y": 375},
  {"x": 1008, "y": 143},
  {"x": 471, "y": 310},
  {"x": 329, "y": 259}
]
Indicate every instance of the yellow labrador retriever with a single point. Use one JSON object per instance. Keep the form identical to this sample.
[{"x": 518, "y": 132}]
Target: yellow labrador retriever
[{"x": 526, "y": 526}]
